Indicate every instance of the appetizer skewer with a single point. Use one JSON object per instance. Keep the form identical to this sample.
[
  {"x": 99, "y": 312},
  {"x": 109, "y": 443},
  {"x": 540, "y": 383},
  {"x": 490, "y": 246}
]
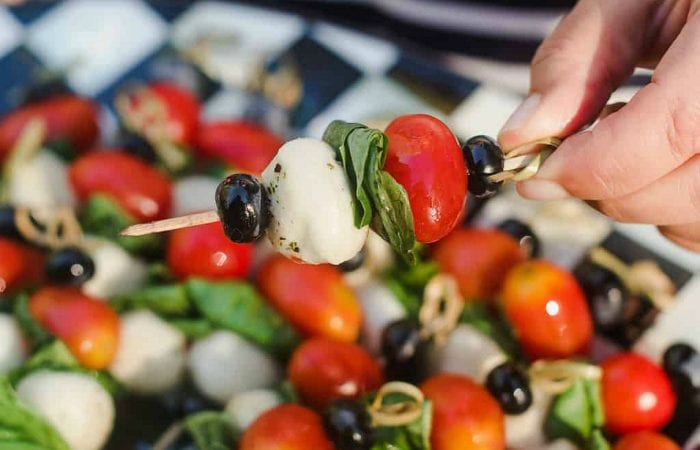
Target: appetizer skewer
[{"x": 316, "y": 198}]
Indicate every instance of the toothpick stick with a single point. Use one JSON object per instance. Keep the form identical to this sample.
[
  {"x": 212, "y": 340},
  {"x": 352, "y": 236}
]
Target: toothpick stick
[{"x": 174, "y": 223}]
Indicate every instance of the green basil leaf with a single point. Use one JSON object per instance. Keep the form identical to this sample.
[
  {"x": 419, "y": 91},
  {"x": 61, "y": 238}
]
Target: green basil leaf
[
  {"x": 193, "y": 328},
  {"x": 56, "y": 356},
  {"x": 393, "y": 219},
  {"x": 378, "y": 199},
  {"x": 577, "y": 415},
  {"x": 103, "y": 217},
  {"x": 210, "y": 431},
  {"x": 237, "y": 306},
  {"x": 353, "y": 153},
  {"x": 169, "y": 300},
  {"x": 598, "y": 441},
  {"x": 159, "y": 273},
  {"x": 36, "y": 334},
  {"x": 492, "y": 325},
  {"x": 22, "y": 429}
]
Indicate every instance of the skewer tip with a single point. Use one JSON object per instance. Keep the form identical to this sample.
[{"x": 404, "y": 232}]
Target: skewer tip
[{"x": 175, "y": 223}]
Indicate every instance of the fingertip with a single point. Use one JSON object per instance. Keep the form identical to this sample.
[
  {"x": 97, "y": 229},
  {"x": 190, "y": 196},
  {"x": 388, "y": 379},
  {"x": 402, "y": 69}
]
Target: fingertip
[{"x": 539, "y": 189}]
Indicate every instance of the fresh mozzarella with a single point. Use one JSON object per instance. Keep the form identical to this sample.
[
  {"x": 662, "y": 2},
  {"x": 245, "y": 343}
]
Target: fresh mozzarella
[
  {"x": 48, "y": 177},
  {"x": 224, "y": 364},
  {"x": 194, "y": 194},
  {"x": 311, "y": 204},
  {"x": 526, "y": 431},
  {"x": 151, "y": 354},
  {"x": 116, "y": 271},
  {"x": 247, "y": 406},
  {"x": 378, "y": 256},
  {"x": 75, "y": 404},
  {"x": 12, "y": 351},
  {"x": 469, "y": 352},
  {"x": 380, "y": 307}
]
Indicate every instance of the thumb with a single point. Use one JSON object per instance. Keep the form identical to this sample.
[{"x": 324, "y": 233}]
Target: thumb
[{"x": 591, "y": 52}]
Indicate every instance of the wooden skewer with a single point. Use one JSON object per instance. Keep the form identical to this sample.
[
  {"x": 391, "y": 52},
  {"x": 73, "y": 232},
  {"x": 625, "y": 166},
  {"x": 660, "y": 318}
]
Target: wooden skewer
[{"x": 175, "y": 223}]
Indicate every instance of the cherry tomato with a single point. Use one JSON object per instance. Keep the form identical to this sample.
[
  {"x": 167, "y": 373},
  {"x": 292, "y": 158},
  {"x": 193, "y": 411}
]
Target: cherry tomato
[
  {"x": 548, "y": 310},
  {"x": 314, "y": 298},
  {"x": 206, "y": 251},
  {"x": 286, "y": 427},
  {"x": 140, "y": 189},
  {"x": 244, "y": 146},
  {"x": 323, "y": 370},
  {"x": 465, "y": 416},
  {"x": 66, "y": 117},
  {"x": 19, "y": 265},
  {"x": 646, "y": 440},
  {"x": 637, "y": 394},
  {"x": 167, "y": 106},
  {"x": 478, "y": 259},
  {"x": 424, "y": 157},
  {"x": 88, "y": 326}
]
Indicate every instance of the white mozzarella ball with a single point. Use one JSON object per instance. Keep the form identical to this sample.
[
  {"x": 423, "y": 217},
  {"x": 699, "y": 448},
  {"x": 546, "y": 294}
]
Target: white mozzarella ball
[
  {"x": 311, "y": 204},
  {"x": 48, "y": 177},
  {"x": 80, "y": 410},
  {"x": 380, "y": 307},
  {"x": 116, "y": 271},
  {"x": 559, "y": 444},
  {"x": 12, "y": 351},
  {"x": 224, "y": 364},
  {"x": 151, "y": 355},
  {"x": 194, "y": 194},
  {"x": 245, "y": 407},
  {"x": 526, "y": 431},
  {"x": 469, "y": 352}
]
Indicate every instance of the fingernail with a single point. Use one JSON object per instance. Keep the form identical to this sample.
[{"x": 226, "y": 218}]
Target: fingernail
[
  {"x": 523, "y": 113},
  {"x": 542, "y": 190}
]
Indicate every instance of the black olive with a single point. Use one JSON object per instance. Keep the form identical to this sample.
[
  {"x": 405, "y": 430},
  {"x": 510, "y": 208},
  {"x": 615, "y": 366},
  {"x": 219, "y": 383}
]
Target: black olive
[
  {"x": 69, "y": 265},
  {"x": 348, "y": 425},
  {"x": 184, "y": 401},
  {"x": 484, "y": 158},
  {"x": 676, "y": 356},
  {"x": 511, "y": 387},
  {"x": 608, "y": 297},
  {"x": 353, "y": 263},
  {"x": 138, "y": 146},
  {"x": 45, "y": 88},
  {"x": 8, "y": 228},
  {"x": 405, "y": 351},
  {"x": 522, "y": 233},
  {"x": 243, "y": 207}
]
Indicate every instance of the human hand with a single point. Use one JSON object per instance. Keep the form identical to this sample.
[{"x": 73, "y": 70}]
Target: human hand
[{"x": 641, "y": 163}]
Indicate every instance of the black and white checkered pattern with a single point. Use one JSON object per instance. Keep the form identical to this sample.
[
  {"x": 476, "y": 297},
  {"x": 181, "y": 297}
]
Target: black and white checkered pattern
[{"x": 102, "y": 44}]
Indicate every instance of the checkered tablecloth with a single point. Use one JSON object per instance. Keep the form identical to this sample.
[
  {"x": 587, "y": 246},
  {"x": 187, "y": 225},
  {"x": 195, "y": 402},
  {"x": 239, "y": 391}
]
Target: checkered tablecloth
[{"x": 102, "y": 44}]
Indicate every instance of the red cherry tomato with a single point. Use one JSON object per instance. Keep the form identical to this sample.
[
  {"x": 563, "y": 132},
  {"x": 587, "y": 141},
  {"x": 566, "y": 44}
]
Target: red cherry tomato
[
  {"x": 19, "y": 265},
  {"x": 424, "y": 157},
  {"x": 637, "y": 394},
  {"x": 465, "y": 416},
  {"x": 478, "y": 259},
  {"x": 205, "y": 251},
  {"x": 88, "y": 326},
  {"x": 547, "y": 309},
  {"x": 244, "y": 146},
  {"x": 314, "y": 298},
  {"x": 286, "y": 427},
  {"x": 66, "y": 117},
  {"x": 323, "y": 371},
  {"x": 646, "y": 440},
  {"x": 174, "y": 111},
  {"x": 137, "y": 187}
]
